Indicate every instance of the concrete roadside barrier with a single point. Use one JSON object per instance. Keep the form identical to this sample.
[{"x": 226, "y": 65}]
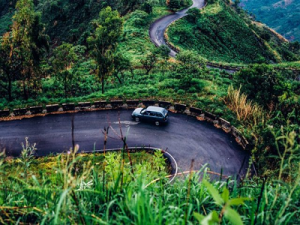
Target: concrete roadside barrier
[
  {"x": 52, "y": 108},
  {"x": 180, "y": 107},
  {"x": 68, "y": 106}
]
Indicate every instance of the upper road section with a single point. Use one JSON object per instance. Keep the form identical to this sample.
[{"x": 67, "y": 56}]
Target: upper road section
[{"x": 159, "y": 27}]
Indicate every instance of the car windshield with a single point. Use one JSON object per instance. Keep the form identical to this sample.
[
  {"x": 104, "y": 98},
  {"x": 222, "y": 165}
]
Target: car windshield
[
  {"x": 165, "y": 112},
  {"x": 143, "y": 111}
]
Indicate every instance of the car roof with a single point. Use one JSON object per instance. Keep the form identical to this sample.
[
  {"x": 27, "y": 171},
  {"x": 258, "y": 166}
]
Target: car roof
[{"x": 156, "y": 109}]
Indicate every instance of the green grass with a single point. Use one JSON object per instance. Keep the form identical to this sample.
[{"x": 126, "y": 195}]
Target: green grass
[
  {"x": 222, "y": 35},
  {"x": 136, "y": 43},
  {"x": 73, "y": 189}
]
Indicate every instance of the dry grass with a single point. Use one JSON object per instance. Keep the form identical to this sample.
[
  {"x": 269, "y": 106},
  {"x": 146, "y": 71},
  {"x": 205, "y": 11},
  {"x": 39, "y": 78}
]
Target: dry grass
[{"x": 246, "y": 111}]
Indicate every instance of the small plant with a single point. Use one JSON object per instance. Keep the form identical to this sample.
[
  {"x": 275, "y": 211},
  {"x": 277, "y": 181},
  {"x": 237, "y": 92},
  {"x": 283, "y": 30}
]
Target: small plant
[
  {"x": 27, "y": 156},
  {"x": 225, "y": 203}
]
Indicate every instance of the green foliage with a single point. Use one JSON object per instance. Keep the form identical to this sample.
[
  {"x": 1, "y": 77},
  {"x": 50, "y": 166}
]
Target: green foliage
[
  {"x": 225, "y": 203},
  {"x": 216, "y": 34},
  {"x": 262, "y": 84},
  {"x": 139, "y": 18},
  {"x": 26, "y": 157},
  {"x": 103, "y": 42},
  {"x": 164, "y": 51},
  {"x": 283, "y": 16},
  {"x": 122, "y": 65},
  {"x": 65, "y": 62},
  {"x": 189, "y": 70},
  {"x": 174, "y": 4},
  {"x": 193, "y": 15},
  {"x": 147, "y": 7},
  {"x": 178, "y": 4},
  {"x": 93, "y": 188},
  {"x": 5, "y": 22},
  {"x": 149, "y": 62},
  {"x": 22, "y": 50},
  {"x": 9, "y": 67},
  {"x": 212, "y": 1}
]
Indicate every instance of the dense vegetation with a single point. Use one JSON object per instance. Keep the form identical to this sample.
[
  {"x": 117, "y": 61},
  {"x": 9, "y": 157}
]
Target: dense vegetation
[
  {"x": 283, "y": 16},
  {"x": 114, "y": 58},
  {"x": 221, "y": 32},
  {"x": 78, "y": 189}
]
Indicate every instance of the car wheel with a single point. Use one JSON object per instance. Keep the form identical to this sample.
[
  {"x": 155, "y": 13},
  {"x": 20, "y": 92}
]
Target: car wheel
[
  {"x": 137, "y": 119},
  {"x": 157, "y": 123}
]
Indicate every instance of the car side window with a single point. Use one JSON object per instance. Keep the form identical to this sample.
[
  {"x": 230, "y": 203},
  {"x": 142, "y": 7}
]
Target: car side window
[
  {"x": 159, "y": 115},
  {"x": 152, "y": 114}
]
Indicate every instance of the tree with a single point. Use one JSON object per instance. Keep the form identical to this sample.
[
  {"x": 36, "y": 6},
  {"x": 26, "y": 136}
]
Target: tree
[
  {"x": 174, "y": 4},
  {"x": 191, "y": 60},
  {"x": 193, "y": 15},
  {"x": 184, "y": 34},
  {"x": 212, "y": 1},
  {"x": 139, "y": 18},
  {"x": 65, "y": 58},
  {"x": 164, "y": 52},
  {"x": 10, "y": 65},
  {"x": 149, "y": 62},
  {"x": 263, "y": 84},
  {"x": 190, "y": 66},
  {"x": 29, "y": 42},
  {"x": 22, "y": 49},
  {"x": 147, "y": 7},
  {"x": 130, "y": 5},
  {"x": 104, "y": 40},
  {"x": 121, "y": 65}
]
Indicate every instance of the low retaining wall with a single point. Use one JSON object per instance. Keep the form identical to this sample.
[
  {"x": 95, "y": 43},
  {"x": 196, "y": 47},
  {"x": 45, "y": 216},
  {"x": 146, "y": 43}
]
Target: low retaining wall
[{"x": 128, "y": 104}]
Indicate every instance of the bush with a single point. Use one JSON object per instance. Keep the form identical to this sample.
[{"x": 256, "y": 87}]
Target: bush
[
  {"x": 139, "y": 18},
  {"x": 181, "y": 92}
]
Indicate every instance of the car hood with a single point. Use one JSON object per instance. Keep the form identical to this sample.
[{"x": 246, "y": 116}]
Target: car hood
[{"x": 137, "y": 111}]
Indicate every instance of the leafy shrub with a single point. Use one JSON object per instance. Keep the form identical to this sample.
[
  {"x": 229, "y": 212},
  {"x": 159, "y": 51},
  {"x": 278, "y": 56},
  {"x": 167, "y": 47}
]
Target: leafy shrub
[
  {"x": 181, "y": 92},
  {"x": 139, "y": 18}
]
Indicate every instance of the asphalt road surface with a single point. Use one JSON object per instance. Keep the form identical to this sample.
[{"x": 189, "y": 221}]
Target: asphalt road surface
[
  {"x": 184, "y": 137},
  {"x": 158, "y": 28}
]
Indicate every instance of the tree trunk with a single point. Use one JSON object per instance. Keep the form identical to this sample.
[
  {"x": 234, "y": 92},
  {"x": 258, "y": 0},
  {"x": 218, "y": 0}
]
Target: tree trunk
[
  {"x": 102, "y": 81},
  {"x": 65, "y": 87},
  {"x": 24, "y": 90},
  {"x": 9, "y": 90},
  {"x": 119, "y": 79}
]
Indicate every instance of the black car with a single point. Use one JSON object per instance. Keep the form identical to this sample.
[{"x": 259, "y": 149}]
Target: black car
[{"x": 154, "y": 114}]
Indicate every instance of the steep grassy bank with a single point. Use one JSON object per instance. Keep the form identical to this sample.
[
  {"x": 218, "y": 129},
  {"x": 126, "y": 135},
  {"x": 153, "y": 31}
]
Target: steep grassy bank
[
  {"x": 219, "y": 33},
  {"x": 75, "y": 191}
]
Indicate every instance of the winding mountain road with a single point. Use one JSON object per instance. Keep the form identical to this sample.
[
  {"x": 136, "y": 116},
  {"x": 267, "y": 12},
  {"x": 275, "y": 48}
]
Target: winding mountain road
[
  {"x": 159, "y": 27},
  {"x": 184, "y": 137}
]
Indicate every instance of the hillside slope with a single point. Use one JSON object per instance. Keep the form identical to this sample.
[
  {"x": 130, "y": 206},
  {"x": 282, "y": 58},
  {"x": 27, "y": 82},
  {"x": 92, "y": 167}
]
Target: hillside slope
[
  {"x": 220, "y": 34},
  {"x": 65, "y": 20},
  {"x": 283, "y": 16}
]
